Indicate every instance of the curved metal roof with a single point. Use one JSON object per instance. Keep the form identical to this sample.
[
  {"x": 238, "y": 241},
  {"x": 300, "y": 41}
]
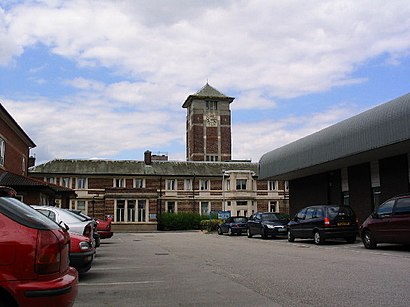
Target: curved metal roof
[{"x": 377, "y": 133}]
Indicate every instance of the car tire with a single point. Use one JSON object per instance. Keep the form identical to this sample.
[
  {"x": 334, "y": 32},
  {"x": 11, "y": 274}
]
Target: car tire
[
  {"x": 219, "y": 230},
  {"x": 248, "y": 232},
  {"x": 264, "y": 234},
  {"x": 230, "y": 231},
  {"x": 368, "y": 240},
  {"x": 351, "y": 240},
  {"x": 291, "y": 238},
  {"x": 317, "y": 237}
]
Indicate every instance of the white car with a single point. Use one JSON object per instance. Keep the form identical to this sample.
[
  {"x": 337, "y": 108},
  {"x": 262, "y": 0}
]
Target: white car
[{"x": 65, "y": 217}]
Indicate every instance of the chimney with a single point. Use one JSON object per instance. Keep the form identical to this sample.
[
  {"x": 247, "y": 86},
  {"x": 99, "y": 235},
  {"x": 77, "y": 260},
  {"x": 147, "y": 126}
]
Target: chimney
[
  {"x": 147, "y": 157},
  {"x": 31, "y": 161}
]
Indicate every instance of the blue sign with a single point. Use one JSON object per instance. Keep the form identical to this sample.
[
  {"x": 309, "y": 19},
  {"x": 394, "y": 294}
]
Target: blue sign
[{"x": 223, "y": 215}]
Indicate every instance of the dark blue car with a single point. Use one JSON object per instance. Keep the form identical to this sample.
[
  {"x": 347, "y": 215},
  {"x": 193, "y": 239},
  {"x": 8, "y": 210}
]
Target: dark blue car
[{"x": 233, "y": 225}]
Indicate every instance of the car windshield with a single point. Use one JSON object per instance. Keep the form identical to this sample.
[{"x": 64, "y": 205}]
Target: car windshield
[
  {"x": 342, "y": 211},
  {"x": 272, "y": 217},
  {"x": 240, "y": 219}
]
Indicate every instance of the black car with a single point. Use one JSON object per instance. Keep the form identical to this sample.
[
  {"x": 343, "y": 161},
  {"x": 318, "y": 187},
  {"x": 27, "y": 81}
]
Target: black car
[
  {"x": 323, "y": 222},
  {"x": 233, "y": 225},
  {"x": 267, "y": 224}
]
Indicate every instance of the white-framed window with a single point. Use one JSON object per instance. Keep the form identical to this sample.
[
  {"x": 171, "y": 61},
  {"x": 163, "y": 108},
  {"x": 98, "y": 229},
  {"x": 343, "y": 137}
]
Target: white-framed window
[
  {"x": 50, "y": 180},
  {"x": 81, "y": 183},
  {"x": 171, "y": 184},
  {"x": 23, "y": 166},
  {"x": 81, "y": 205},
  {"x": 204, "y": 185},
  {"x": 241, "y": 184},
  {"x": 2, "y": 151},
  {"x": 142, "y": 210},
  {"x": 66, "y": 182},
  {"x": 286, "y": 186},
  {"x": 212, "y": 158},
  {"x": 228, "y": 185},
  {"x": 130, "y": 210},
  {"x": 170, "y": 207},
  {"x": 119, "y": 182},
  {"x": 272, "y": 185},
  {"x": 228, "y": 203},
  {"x": 204, "y": 208},
  {"x": 188, "y": 184},
  {"x": 273, "y": 206},
  {"x": 211, "y": 105},
  {"x": 139, "y": 183}
]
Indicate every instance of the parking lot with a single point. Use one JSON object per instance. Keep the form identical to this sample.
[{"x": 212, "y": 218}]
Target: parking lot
[{"x": 197, "y": 269}]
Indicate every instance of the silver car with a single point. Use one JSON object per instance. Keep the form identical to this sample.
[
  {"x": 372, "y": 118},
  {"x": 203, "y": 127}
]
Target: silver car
[{"x": 66, "y": 218}]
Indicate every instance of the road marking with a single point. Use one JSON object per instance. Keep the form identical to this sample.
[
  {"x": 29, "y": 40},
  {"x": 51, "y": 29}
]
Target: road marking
[{"x": 120, "y": 283}]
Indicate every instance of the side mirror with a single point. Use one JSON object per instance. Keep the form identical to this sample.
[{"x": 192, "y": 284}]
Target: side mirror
[{"x": 64, "y": 226}]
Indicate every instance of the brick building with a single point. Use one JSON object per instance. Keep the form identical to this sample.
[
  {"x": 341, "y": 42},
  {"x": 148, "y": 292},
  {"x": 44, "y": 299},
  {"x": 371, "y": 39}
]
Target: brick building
[
  {"x": 15, "y": 147},
  {"x": 135, "y": 192},
  {"x": 361, "y": 161}
]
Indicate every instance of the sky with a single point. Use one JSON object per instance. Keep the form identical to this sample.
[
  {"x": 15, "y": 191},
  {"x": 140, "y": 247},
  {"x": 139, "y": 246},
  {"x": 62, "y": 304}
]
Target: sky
[{"x": 107, "y": 79}]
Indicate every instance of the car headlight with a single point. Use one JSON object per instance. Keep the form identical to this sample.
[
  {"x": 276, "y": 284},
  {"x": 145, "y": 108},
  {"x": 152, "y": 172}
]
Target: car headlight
[
  {"x": 84, "y": 246},
  {"x": 270, "y": 226}
]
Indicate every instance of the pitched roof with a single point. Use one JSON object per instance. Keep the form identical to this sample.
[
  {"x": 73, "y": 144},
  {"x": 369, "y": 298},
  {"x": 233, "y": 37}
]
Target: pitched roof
[
  {"x": 4, "y": 115},
  {"x": 22, "y": 182},
  {"x": 139, "y": 168},
  {"x": 206, "y": 92},
  {"x": 375, "y": 134}
]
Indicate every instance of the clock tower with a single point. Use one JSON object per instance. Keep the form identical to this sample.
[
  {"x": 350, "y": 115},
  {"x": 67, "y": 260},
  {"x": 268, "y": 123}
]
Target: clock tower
[{"x": 208, "y": 125}]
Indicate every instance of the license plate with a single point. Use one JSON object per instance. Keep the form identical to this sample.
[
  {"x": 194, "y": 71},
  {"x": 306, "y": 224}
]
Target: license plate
[
  {"x": 282, "y": 229},
  {"x": 343, "y": 224}
]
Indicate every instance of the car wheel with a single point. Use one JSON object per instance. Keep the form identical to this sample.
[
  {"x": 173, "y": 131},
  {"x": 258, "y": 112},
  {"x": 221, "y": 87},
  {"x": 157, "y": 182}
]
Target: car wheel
[
  {"x": 248, "y": 232},
  {"x": 291, "y": 238},
  {"x": 351, "y": 240},
  {"x": 318, "y": 238},
  {"x": 229, "y": 231},
  {"x": 219, "y": 230},
  {"x": 368, "y": 240},
  {"x": 263, "y": 234}
]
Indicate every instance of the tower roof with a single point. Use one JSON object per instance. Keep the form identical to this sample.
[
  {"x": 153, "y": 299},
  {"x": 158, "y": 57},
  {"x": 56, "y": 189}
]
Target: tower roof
[{"x": 207, "y": 92}]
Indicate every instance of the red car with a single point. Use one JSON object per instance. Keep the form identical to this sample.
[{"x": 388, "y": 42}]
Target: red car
[
  {"x": 34, "y": 257},
  {"x": 104, "y": 228},
  {"x": 81, "y": 253}
]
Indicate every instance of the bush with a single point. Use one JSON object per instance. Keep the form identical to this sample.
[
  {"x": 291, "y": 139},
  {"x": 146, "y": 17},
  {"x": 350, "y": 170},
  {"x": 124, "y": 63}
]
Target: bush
[{"x": 179, "y": 221}]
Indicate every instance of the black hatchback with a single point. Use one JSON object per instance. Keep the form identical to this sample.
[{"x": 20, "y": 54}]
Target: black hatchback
[{"x": 323, "y": 222}]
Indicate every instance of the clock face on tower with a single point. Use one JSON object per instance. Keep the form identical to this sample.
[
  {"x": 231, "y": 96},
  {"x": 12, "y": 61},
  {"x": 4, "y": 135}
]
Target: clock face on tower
[{"x": 211, "y": 120}]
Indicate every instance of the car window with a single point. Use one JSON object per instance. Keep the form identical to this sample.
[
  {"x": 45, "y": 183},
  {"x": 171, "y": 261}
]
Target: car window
[
  {"x": 310, "y": 213},
  {"x": 402, "y": 206},
  {"x": 301, "y": 214},
  {"x": 386, "y": 208},
  {"x": 49, "y": 214},
  {"x": 240, "y": 219},
  {"x": 334, "y": 211},
  {"x": 269, "y": 217},
  {"x": 229, "y": 220},
  {"x": 319, "y": 213}
]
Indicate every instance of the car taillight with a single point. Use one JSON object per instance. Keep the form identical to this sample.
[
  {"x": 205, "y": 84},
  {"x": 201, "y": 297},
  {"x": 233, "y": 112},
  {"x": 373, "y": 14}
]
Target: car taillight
[
  {"x": 87, "y": 231},
  {"x": 48, "y": 255},
  {"x": 327, "y": 221}
]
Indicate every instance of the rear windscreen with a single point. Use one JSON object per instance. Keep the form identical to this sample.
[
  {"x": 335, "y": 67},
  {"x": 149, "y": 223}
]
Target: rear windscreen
[
  {"x": 25, "y": 215},
  {"x": 339, "y": 211}
]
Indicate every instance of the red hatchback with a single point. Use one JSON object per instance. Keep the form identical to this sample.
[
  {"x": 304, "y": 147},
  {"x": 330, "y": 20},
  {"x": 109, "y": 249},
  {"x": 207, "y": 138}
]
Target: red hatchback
[
  {"x": 389, "y": 223},
  {"x": 34, "y": 258}
]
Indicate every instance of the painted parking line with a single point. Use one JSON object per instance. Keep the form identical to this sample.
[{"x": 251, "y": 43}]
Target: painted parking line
[{"x": 121, "y": 283}]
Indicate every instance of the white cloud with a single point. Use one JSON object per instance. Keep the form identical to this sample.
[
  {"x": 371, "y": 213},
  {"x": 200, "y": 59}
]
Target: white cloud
[
  {"x": 287, "y": 47},
  {"x": 263, "y": 51},
  {"x": 252, "y": 140}
]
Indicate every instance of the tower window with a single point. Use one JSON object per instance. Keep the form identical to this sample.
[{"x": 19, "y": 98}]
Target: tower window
[{"x": 211, "y": 105}]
